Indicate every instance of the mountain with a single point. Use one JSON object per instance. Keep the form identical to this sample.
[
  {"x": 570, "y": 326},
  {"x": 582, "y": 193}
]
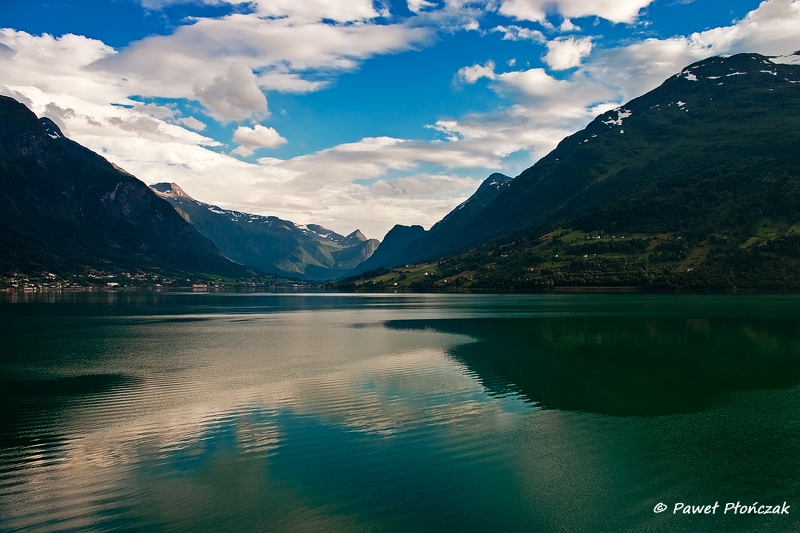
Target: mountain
[
  {"x": 719, "y": 115},
  {"x": 701, "y": 175},
  {"x": 65, "y": 210},
  {"x": 271, "y": 244},
  {"x": 408, "y": 245},
  {"x": 397, "y": 240},
  {"x": 735, "y": 117}
]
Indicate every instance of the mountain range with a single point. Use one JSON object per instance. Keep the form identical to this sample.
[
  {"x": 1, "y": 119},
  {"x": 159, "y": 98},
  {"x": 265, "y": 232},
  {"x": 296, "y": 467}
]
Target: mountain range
[
  {"x": 271, "y": 244},
  {"x": 695, "y": 184}
]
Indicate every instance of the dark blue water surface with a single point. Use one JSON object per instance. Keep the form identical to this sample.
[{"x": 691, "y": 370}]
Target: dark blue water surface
[{"x": 331, "y": 412}]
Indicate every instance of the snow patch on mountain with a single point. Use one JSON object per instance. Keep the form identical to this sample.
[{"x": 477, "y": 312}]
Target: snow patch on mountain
[{"x": 622, "y": 114}]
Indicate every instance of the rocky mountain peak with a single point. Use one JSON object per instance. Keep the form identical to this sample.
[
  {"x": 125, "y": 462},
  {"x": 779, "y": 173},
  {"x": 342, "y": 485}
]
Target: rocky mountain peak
[
  {"x": 51, "y": 128},
  {"x": 355, "y": 237},
  {"x": 170, "y": 190}
]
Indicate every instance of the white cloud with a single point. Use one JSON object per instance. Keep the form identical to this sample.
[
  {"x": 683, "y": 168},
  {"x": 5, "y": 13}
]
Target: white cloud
[
  {"x": 7, "y": 51},
  {"x": 772, "y": 29},
  {"x": 256, "y": 137},
  {"x": 417, "y": 6},
  {"x": 546, "y": 111},
  {"x": 233, "y": 95},
  {"x": 192, "y": 123},
  {"x": 555, "y": 98},
  {"x": 537, "y": 10},
  {"x": 208, "y": 60},
  {"x": 56, "y": 65},
  {"x": 314, "y": 10},
  {"x": 423, "y": 185},
  {"x": 476, "y": 72},
  {"x": 374, "y": 156},
  {"x": 516, "y": 33},
  {"x": 286, "y": 82},
  {"x": 567, "y": 25},
  {"x": 565, "y": 53}
]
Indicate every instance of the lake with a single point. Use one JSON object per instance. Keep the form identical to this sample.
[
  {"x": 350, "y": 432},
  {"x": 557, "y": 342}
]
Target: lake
[{"x": 395, "y": 412}]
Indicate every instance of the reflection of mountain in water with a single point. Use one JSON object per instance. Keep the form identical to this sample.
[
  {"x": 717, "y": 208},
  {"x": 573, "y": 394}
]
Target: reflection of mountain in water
[
  {"x": 624, "y": 366},
  {"x": 48, "y": 399}
]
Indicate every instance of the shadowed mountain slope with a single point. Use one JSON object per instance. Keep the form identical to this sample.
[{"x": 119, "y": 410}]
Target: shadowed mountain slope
[{"x": 65, "y": 209}]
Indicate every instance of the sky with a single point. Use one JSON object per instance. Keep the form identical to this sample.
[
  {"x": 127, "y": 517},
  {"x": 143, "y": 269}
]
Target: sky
[{"x": 353, "y": 113}]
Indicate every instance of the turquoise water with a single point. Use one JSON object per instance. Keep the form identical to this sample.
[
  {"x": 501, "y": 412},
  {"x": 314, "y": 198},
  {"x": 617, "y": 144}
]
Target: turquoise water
[{"x": 330, "y": 412}]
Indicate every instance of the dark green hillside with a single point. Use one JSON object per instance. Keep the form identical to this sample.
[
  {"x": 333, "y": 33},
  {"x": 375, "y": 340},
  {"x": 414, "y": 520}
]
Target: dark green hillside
[
  {"x": 718, "y": 136},
  {"x": 701, "y": 177}
]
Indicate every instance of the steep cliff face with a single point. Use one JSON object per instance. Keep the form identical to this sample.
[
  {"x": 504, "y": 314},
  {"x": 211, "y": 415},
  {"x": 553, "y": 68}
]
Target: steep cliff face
[{"x": 65, "y": 209}]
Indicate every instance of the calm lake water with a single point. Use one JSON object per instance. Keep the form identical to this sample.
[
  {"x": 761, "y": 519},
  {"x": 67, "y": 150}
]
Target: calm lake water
[{"x": 330, "y": 412}]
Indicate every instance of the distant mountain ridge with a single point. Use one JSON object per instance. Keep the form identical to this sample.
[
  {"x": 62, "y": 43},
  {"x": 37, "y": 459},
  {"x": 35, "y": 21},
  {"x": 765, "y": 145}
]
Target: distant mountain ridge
[
  {"x": 66, "y": 210},
  {"x": 271, "y": 244}
]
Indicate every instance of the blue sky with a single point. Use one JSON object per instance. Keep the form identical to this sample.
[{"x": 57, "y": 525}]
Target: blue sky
[{"x": 353, "y": 113}]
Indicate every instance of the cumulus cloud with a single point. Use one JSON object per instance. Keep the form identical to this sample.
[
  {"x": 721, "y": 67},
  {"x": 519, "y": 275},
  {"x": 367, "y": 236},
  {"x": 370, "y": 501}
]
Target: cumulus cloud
[
  {"x": 250, "y": 139},
  {"x": 516, "y": 33},
  {"x": 556, "y": 98},
  {"x": 338, "y": 10},
  {"x": 417, "y": 6},
  {"x": 315, "y": 10},
  {"x": 476, "y": 72},
  {"x": 288, "y": 82},
  {"x": 209, "y": 60},
  {"x": 567, "y": 25},
  {"x": 565, "y": 53},
  {"x": 56, "y": 65},
  {"x": 192, "y": 123},
  {"x": 422, "y": 185},
  {"x": 537, "y": 10},
  {"x": 546, "y": 110},
  {"x": 6, "y": 51},
  {"x": 233, "y": 95},
  {"x": 374, "y": 156}
]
